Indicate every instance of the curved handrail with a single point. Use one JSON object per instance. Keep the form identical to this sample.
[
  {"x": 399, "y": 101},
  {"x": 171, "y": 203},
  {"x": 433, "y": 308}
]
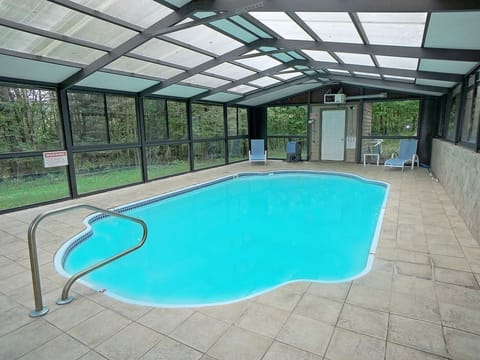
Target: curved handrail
[{"x": 40, "y": 310}]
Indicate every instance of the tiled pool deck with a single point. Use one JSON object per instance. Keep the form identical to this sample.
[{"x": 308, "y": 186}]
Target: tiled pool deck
[{"x": 421, "y": 301}]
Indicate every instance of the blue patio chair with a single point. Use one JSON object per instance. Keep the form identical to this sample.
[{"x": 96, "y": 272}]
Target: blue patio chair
[
  {"x": 257, "y": 151},
  {"x": 406, "y": 154}
]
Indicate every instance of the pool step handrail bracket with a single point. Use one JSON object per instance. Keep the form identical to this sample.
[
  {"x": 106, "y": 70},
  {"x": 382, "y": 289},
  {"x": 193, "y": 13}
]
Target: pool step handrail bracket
[{"x": 41, "y": 310}]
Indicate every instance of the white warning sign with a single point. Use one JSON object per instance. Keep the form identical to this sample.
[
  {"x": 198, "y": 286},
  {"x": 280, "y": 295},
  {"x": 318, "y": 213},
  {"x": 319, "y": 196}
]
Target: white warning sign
[{"x": 55, "y": 158}]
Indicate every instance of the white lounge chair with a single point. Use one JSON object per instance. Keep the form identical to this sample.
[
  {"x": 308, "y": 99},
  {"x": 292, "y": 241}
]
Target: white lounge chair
[
  {"x": 257, "y": 151},
  {"x": 407, "y": 154}
]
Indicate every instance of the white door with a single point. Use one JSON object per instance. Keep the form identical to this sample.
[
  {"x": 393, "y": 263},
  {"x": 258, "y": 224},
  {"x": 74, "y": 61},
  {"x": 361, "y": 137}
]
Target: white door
[{"x": 333, "y": 135}]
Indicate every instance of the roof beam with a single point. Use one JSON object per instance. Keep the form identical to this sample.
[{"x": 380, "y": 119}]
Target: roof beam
[
  {"x": 366, "y": 5},
  {"x": 231, "y": 55},
  {"x": 385, "y": 50}
]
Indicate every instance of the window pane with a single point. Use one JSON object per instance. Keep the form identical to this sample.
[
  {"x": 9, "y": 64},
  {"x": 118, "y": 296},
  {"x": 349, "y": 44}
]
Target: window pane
[
  {"x": 101, "y": 170},
  {"x": 470, "y": 119},
  {"x": 29, "y": 120},
  {"x": 122, "y": 119},
  {"x": 207, "y": 121},
  {"x": 242, "y": 121},
  {"x": 24, "y": 181},
  {"x": 384, "y": 147},
  {"x": 155, "y": 116},
  {"x": 167, "y": 160},
  {"x": 391, "y": 118},
  {"x": 177, "y": 120},
  {"x": 232, "y": 121},
  {"x": 277, "y": 146},
  {"x": 208, "y": 154},
  {"x": 452, "y": 118},
  {"x": 287, "y": 120},
  {"x": 87, "y": 116},
  {"x": 237, "y": 149}
]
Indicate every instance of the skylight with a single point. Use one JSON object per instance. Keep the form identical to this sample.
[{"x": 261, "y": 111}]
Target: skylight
[
  {"x": 135, "y": 66},
  {"x": 399, "y": 29},
  {"x": 397, "y": 62},
  {"x": 282, "y": 24},
  {"x": 332, "y": 26},
  {"x": 205, "y": 38},
  {"x": 356, "y": 59},
  {"x": 204, "y": 80},
  {"x": 447, "y": 66},
  {"x": 242, "y": 89},
  {"x": 319, "y": 55},
  {"x": 290, "y": 75},
  {"x": 366, "y": 74},
  {"x": 230, "y": 71},
  {"x": 260, "y": 63},
  {"x": 264, "y": 81}
]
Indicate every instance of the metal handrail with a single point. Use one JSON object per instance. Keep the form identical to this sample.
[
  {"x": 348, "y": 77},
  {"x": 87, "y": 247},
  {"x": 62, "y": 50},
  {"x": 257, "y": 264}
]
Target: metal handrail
[{"x": 40, "y": 310}]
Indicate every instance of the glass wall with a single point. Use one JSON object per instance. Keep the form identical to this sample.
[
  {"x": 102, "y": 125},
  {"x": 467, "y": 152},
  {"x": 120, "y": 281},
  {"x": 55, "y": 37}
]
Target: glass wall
[
  {"x": 453, "y": 113},
  {"x": 284, "y": 124},
  {"x": 166, "y": 133},
  {"x": 471, "y": 112},
  {"x": 237, "y": 128},
  {"x": 29, "y": 124},
  {"x": 385, "y": 123}
]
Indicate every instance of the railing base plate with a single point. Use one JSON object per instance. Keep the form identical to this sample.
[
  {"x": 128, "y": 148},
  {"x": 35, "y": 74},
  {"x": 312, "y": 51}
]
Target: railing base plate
[
  {"x": 35, "y": 313},
  {"x": 61, "y": 301}
]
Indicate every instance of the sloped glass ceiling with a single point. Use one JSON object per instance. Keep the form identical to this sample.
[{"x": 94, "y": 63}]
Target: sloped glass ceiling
[{"x": 183, "y": 48}]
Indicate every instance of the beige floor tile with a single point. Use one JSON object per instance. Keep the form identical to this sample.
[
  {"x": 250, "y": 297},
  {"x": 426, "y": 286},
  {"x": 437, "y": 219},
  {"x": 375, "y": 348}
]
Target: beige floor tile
[
  {"x": 442, "y": 249},
  {"x": 414, "y": 306},
  {"x": 67, "y": 316},
  {"x": 455, "y": 277},
  {"x": 423, "y": 271},
  {"x": 62, "y": 347},
  {"x": 413, "y": 286},
  {"x": 306, "y": 334},
  {"x": 336, "y": 292},
  {"x": 263, "y": 319},
  {"x": 26, "y": 339},
  {"x": 319, "y": 308},
  {"x": 462, "y": 345},
  {"x": 99, "y": 328},
  {"x": 367, "y": 321},
  {"x": 381, "y": 265},
  {"x": 168, "y": 349},
  {"x": 130, "y": 343},
  {"x": 13, "y": 318},
  {"x": 458, "y": 295},
  {"x": 165, "y": 320},
  {"x": 460, "y": 317},
  {"x": 240, "y": 344},
  {"x": 279, "y": 351},
  {"x": 346, "y": 345},
  {"x": 281, "y": 298},
  {"x": 199, "y": 331},
  {"x": 450, "y": 262},
  {"x": 91, "y": 355},
  {"x": 376, "y": 280},
  {"x": 228, "y": 313},
  {"x": 399, "y": 352},
  {"x": 369, "y": 297},
  {"x": 417, "y": 334}
]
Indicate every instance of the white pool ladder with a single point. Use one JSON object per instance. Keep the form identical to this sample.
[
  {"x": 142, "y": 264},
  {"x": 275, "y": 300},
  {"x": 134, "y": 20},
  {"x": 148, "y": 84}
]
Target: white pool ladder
[{"x": 41, "y": 310}]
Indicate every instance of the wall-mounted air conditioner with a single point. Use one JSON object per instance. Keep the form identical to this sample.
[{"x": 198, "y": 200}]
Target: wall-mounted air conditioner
[{"x": 334, "y": 98}]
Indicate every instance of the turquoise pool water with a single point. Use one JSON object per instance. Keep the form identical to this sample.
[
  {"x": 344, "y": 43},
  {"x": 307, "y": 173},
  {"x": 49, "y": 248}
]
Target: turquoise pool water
[{"x": 234, "y": 238}]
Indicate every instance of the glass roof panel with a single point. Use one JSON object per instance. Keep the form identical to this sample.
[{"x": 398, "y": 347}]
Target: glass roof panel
[
  {"x": 38, "y": 45},
  {"x": 249, "y": 26},
  {"x": 339, "y": 71},
  {"x": 171, "y": 53},
  {"x": 399, "y": 29},
  {"x": 447, "y": 66},
  {"x": 264, "y": 81},
  {"x": 205, "y": 38},
  {"x": 296, "y": 55},
  {"x": 453, "y": 30},
  {"x": 428, "y": 82},
  {"x": 234, "y": 30},
  {"x": 178, "y": 3},
  {"x": 319, "y": 55},
  {"x": 103, "y": 80},
  {"x": 141, "y": 67},
  {"x": 397, "y": 62},
  {"x": 230, "y": 71},
  {"x": 19, "y": 68},
  {"x": 398, "y": 78},
  {"x": 366, "y": 74},
  {"x": 242, "y": 89},
  {"x": 221, "y": 97},
  {"x": 61, "y": 20},
  {"x": 332, "y": 26},
  {"x": 262, "y": 62},
  {"x": 204, "y": 80},
  {"x": 282, "y": 57},
  {"x": 204, "y": 14},
  {"x": 144, "y": 13},
  {"x": 282, "y": 24},
  {"x": 289, "y": 76},
  {"x": 181, "y": 91},
  {"x": 356, "y": 59}
]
